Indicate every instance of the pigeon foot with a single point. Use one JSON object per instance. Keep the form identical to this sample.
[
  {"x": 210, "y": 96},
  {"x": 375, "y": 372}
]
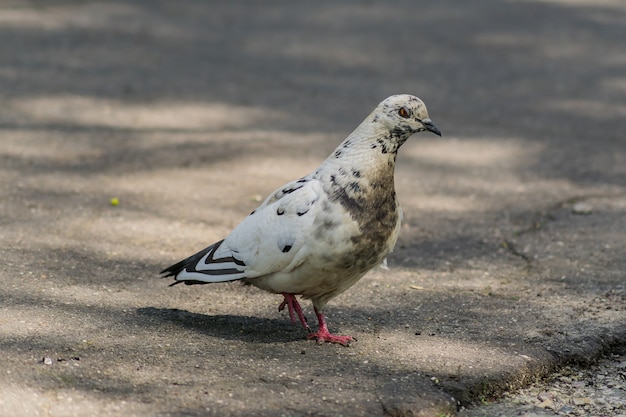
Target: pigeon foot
[
  {"x": 323, "y": 335},
  {"x": 294, "y": 308}
]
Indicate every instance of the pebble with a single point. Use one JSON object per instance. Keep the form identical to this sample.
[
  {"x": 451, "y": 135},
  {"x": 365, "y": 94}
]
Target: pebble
[
  {"x": 582, "y": 208},
  {"x": 581, "y": 401},
  {"x": 547, "y": 403},
  {"x": 566, "y": 409},
  {"x": 597, "y": 391}
]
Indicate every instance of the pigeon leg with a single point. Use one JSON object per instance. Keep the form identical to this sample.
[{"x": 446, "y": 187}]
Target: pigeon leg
[
  {"x": 323, "y": 335},
  {"x": 294, "y": 308}
]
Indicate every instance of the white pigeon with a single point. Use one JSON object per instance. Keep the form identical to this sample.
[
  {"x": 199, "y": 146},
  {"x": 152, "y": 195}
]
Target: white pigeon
[{"x": 318, "y": 235}]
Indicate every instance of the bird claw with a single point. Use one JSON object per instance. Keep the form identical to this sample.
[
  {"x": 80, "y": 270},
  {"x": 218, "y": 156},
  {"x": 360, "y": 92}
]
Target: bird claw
[
  {"x": 322, "y": 334},
  {"x": 325, "y": 336}
]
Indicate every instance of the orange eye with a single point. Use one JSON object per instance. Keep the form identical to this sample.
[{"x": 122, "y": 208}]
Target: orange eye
[{"x": 404, "y": 112}]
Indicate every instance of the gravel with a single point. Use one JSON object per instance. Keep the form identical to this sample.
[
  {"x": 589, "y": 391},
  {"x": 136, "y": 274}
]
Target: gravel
[{"x": 573, "y": 391}]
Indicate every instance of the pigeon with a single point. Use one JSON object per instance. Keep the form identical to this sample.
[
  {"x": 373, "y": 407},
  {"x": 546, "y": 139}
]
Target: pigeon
[{"x": 318, "y": 235}]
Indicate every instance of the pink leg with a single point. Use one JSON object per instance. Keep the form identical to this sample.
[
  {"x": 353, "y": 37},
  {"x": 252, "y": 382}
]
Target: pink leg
[
  {"x": 323, "y": 335},
  {"x": 294, "y": 307}
]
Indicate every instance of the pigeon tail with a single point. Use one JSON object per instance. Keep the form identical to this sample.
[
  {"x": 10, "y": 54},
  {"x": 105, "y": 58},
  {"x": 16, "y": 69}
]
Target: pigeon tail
[
  {"x": 178, "y": 267},
  {"x": 202, "y": 268}
]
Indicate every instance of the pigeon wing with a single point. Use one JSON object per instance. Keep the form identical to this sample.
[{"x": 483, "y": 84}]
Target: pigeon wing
[{"x": 271, "y": 239}]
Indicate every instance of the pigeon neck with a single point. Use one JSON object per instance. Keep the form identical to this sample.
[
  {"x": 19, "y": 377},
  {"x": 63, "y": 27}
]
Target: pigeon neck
[
  {"x": 362, "y": 163},
  {"x": 370, "y": 145},
  {"x": 359, "y": 175}
]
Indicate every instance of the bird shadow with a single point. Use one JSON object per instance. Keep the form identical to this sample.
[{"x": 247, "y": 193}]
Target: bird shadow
[{"x": 227, "y": 326}]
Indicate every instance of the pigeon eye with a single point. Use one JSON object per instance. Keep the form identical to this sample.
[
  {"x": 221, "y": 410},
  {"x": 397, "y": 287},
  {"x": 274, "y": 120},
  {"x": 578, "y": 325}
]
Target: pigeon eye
[{"x": 404, "y": 112}]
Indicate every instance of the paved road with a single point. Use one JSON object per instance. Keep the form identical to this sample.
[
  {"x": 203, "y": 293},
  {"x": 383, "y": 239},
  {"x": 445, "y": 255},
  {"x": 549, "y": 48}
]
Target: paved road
[{"x": 511, "y": 257}]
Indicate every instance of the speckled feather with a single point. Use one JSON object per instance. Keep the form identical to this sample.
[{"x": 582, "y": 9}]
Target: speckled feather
[{"x": 320, "y": 234}]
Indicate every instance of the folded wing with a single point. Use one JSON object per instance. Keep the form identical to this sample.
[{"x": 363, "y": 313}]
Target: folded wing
[{"x": 271, "y": 239}]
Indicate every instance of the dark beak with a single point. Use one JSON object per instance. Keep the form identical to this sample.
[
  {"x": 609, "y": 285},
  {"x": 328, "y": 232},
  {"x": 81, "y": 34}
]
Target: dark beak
[{"x": 429, "y": 125}]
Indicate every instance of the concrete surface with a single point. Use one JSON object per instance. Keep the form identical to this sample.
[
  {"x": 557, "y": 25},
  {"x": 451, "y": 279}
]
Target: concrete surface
[{"x": 510, "y": 262}]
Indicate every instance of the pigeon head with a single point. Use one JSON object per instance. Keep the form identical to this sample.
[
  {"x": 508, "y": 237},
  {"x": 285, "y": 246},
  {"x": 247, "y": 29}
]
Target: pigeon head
[{"x": 404, "y": 115}]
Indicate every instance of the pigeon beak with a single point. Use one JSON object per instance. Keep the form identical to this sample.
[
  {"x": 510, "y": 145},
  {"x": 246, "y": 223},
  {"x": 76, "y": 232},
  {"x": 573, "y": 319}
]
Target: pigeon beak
[{"x": 428, "y": 124}]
